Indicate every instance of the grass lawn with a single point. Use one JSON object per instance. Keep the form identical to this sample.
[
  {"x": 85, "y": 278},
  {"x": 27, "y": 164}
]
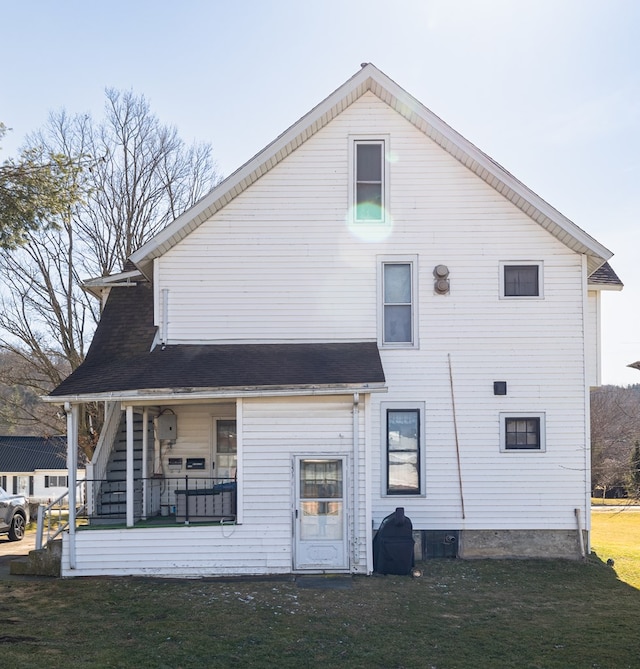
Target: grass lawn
[
  {"x": 605, "y": 501},
  {"x": 616, "y": 535},
  {"x": 476, "y": 614}
]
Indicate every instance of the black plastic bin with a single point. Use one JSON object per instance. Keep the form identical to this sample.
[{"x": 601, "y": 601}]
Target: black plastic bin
[{"x": 393, "y": 545}]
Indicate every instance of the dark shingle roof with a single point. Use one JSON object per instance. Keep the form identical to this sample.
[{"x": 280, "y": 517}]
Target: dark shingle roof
[
  {"x": 120, "y": 358},
  {"x": 605, "y": 276},
  {"x": 26, "y": 454}
]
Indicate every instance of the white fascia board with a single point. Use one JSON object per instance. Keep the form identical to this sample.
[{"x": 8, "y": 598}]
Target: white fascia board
[
  {"x": 104, "y": 281},
  {"x": 604, "y": 286},
  {"x": 186, "y": 396},
  {"x": 98, "y": 285}
]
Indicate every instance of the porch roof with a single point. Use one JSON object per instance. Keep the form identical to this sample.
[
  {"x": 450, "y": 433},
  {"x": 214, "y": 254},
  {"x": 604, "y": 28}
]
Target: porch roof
[{"x": 123, "y": 362}]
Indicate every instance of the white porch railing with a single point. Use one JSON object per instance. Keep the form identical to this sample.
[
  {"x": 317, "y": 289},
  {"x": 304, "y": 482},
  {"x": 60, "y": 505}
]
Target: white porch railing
[{"x": 53, "y": 518}]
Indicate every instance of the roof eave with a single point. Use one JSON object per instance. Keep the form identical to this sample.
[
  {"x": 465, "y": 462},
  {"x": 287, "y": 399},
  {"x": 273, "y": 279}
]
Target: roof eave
[
  {"x": 600, "y": 286},
  {"x": 186, "y": 395}
]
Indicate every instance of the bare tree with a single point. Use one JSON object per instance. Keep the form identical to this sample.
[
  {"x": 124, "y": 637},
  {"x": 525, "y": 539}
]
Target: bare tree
[
  {"x": 141, "y": 176},
  {"x": 615, "y": 427}
]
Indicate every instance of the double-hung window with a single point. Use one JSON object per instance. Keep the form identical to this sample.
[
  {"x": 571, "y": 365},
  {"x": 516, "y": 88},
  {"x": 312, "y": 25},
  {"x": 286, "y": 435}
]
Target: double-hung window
[
  {"x": 369, "y": 180},
  {"x": 403, "y": 452},
  {"x": 521, "y": 280},
  {"x": 398, "y": 302}
]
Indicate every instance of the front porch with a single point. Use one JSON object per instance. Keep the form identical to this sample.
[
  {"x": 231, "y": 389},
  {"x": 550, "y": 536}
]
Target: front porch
[
  {"x": 162, "y": 500},
  {"x": 255, "y": 486},
  {"x": 162, "y": 547}
]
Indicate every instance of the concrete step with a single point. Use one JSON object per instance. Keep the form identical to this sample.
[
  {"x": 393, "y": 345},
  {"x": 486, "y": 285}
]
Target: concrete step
[{"x": 40, "y": 562}]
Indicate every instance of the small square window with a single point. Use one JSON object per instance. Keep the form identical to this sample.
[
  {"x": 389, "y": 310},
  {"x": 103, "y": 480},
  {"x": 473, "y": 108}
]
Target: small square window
[
  {"x": 522, "y": 432},
  {"x": 521, "y": 280}
]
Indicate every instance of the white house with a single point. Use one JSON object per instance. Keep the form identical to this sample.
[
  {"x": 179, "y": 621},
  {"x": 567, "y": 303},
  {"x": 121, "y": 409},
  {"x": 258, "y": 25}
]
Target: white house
[
  {"x": 369, "y": 314},
  {"x": 35, "y": 467}
]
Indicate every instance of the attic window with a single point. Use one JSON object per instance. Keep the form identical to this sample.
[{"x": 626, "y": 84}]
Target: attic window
[{"x": 369, "y": 181}]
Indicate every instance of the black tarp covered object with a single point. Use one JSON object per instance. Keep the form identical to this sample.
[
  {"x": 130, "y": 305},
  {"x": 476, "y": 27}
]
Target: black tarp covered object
[{"x": 393, "y": 545}]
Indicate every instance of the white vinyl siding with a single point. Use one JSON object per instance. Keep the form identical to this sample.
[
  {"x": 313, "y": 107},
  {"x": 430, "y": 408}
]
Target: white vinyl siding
[
  {"x": 272, "y": 432},
  {"x": 284, "y": 262}
]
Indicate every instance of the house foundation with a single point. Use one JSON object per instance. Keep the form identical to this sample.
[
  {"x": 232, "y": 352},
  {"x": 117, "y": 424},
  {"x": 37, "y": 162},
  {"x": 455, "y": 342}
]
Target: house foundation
[{"x": 477, "y": 544}]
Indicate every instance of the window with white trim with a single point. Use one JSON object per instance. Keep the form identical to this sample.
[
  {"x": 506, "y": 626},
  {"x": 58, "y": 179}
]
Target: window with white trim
[
  {"x": 403, "y": 446},
  {"x": 521, "y": 279},
  {"x": 523, "y": 431},
  {"x": 56, "y": 481},
  {"x": 398, "y": 301},
  {"x": 369, "y": 180}
]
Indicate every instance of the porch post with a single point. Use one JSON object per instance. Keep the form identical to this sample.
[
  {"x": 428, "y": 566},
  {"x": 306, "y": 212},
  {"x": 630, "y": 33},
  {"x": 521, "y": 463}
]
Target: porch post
[
  {"x": 130, "y": 496},
  {"x": 145, "y": 451},
  {"x": 356, "y": 479},
  {"x": 72, "y": 470}
]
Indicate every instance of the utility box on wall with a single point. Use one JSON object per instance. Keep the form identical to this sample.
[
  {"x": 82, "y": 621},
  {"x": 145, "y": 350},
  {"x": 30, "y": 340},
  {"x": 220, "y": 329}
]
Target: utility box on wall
[{"x": 167, "y": 427}]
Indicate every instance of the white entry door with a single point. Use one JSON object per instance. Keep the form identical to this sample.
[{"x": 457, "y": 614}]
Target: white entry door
[{"x": 320, "y": 513}]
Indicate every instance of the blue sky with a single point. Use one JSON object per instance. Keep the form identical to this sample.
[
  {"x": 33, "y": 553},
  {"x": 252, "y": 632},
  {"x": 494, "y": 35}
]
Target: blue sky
[{"x": 548, "y": 88}]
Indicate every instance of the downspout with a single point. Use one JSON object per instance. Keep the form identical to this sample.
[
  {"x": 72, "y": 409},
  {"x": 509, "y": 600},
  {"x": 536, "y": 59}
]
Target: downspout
[
  {"x": 583, "y": 553},
  {"x": 368, "y": 513},
  {"x": 72, "y": 466},
  {"x": 587, "y": 412},
  {"x": 356, "y": 478},
  {"x": 165, "y": 318}
]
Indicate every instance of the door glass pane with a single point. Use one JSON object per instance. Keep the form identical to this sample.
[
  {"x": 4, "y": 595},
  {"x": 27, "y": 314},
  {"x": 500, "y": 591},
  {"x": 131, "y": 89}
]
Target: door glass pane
[
  {"x": 321, "y": 479},
  {"x": 321, "y": 520},
  {"x": 321, "y": 487}
]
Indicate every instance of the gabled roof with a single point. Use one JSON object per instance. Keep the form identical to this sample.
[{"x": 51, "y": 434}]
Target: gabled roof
[
  {"x": 369, "y": 78},
  {"x": 26, "y": 454},
  {"x": 120, "y": 362},
  {"x": 604, "y": 278}
]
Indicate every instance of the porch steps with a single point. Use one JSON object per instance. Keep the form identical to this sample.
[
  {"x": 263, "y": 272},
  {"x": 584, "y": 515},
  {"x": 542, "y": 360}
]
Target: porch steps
[
  {"x": 40, "y": 562},
  {"x": 111, "y": 503}
]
